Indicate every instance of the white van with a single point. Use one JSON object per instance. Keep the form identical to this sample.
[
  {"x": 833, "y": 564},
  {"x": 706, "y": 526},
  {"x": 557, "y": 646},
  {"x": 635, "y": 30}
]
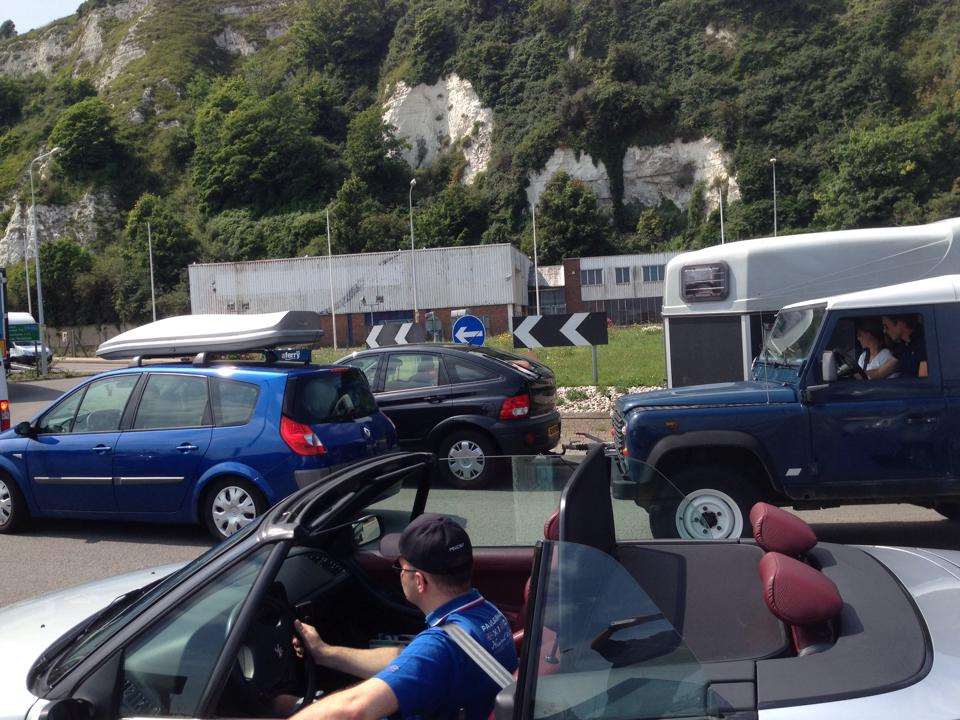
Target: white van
[
  {"x": 24, "y": 339},
  {"x": 716, "y": 301}
]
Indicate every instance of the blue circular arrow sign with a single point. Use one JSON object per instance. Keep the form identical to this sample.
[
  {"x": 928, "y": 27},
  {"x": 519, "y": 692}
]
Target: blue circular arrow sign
[{"x": 469, "y": 330}]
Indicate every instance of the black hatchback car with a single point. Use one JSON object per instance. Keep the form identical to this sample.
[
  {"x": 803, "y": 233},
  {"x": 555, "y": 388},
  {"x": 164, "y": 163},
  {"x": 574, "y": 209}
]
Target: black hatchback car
[{"x": 465, "y": 403}]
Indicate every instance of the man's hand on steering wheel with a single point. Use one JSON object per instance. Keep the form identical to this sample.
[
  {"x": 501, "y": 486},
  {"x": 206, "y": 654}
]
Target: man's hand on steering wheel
[{"x": 311, "y": 641}]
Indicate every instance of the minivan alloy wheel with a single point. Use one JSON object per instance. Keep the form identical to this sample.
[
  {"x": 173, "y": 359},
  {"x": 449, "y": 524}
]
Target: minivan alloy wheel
[
  {"x": 6, "y": 503},
  {"x": 233, "y": 508},
  {"x": 466, "y": 459}
]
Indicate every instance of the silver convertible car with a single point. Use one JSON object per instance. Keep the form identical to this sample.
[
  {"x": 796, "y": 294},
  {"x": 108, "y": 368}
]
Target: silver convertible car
[{"x": 609, "y": 626}]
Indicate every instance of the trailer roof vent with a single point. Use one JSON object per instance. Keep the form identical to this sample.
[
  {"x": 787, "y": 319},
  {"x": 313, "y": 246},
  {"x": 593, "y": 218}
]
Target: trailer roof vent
[{"x": 705, "y": 283}]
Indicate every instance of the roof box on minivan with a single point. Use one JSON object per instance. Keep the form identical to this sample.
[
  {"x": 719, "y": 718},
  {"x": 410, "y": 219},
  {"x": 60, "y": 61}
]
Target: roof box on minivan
[{"x": 191, "y": 334}]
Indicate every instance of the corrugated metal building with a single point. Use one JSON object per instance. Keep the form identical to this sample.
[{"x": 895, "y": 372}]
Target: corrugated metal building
[
  {"x": 486, "y": 280},
  {"x": 629, "y": 288}
]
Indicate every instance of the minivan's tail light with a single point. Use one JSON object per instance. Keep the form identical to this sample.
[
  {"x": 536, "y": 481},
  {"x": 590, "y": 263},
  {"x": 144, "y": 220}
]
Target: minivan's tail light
[
  {"x": 4, "y": 414},
  {"x": 300, "y": 438},
  {"x": 515, "y": 407}
]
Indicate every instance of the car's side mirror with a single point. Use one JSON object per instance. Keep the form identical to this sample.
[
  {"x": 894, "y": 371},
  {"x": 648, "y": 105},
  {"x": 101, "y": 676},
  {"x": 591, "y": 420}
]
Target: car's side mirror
[
  {"x": 24, "y": 429},
  {"x": 67, "y": 709},
  {"x": 503, "y": 706},
  {"x": 828, "y": 366},
  {"x": 366, "y": 530}
]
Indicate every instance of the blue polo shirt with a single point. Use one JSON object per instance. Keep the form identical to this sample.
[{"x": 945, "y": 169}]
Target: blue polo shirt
[{"x": 434, "y": 678}]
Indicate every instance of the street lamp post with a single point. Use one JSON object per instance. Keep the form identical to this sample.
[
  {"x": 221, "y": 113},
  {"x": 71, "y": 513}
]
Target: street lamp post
[
  {"x": 36, "y": 249},
  {"x": 536, "y": 259},
  {"x": 413, "y": 255},
  {"x": 773, "y": 164}
]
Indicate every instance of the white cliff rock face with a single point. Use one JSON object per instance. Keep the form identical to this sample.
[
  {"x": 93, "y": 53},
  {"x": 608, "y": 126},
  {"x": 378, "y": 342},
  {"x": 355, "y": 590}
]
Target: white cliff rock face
[
  {"x": 650, "y": 173},
  {"x": 671, "y": 171},
  {"x": 233, "y": 42},
  {"x": 578, "y": 165},
  {"x": 48, "y": 48},
  {"x": 78, "y": 221},
  {"x": 432, "y": 118}
]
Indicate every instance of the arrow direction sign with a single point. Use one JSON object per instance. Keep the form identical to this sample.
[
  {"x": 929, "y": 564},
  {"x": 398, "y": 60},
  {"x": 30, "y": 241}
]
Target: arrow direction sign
[
  {"x": 396, "y": 334},
  {"x": 575, "y": 329},
  {"x": 469, "y": 330}
]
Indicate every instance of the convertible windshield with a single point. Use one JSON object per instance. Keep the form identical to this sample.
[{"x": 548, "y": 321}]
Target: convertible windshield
[
  {"x": 101, "y": 627},
  {"x": 793, "y": 334},
  {"x": 606, "y": 651}
]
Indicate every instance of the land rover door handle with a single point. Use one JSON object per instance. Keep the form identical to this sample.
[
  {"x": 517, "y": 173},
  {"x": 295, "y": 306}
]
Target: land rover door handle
[{"x": 186, "y": 447}]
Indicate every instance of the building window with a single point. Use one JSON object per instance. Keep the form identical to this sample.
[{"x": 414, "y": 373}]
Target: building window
[
  {"x": 653, "y": 273},
  {"x": 623, "y": 275},
  {"x": 593, "y": 277}
]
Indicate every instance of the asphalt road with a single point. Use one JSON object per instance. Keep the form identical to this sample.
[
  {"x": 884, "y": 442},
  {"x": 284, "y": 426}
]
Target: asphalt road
[{"x": 55, "y": 554}]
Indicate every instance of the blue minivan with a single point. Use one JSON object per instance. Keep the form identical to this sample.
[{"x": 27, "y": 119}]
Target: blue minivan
[{"x": 181, "y": 443}]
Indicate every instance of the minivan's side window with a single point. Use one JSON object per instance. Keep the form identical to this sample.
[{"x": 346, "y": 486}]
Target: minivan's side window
[
  {"x": 367, "y": 365},
  {"x": 233, "y": 401},
  {"x": 408, "y": 371},
  {"x": 60, "y": 418},
  {"x": 173, "y": 401},
  {"x": 102, "y": 406},
  {"x": 165, "y": 671},
  {"x": 464, "y": 371}
]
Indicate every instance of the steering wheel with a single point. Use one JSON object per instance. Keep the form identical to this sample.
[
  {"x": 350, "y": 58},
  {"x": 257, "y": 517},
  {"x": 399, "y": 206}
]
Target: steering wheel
[
  {"x": 851, "y": 362},
  {"x": 267, "y": 665}
]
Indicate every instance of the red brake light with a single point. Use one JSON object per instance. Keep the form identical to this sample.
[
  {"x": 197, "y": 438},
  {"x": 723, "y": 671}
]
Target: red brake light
[
  {"x": 300, "y": 438},
  {"x": 4, "y": 414},
  {"x": 515, "y": 407}
]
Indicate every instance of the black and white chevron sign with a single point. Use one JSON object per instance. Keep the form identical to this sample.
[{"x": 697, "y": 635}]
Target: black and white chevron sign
[
  {"x": 396, "y": 334},
  {"x": 582, "y": 329}
]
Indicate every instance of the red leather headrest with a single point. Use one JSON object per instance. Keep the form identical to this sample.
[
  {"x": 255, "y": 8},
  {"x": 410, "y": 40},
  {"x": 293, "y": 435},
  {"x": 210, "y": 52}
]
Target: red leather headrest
[
  {"x": 776, "y": 530},
  {"x": 551, "y": 528},
  {"x": 796, "y": 593}
]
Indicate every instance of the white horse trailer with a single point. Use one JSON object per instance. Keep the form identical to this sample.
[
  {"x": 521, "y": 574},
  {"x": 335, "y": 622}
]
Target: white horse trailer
[{"x": 717, "y": 300}]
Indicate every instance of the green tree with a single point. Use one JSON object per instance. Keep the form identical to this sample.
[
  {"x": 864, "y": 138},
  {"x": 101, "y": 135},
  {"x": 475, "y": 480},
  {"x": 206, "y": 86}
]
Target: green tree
[
  {"x": 7, "y": 30},
  {"x": 349, "y": 35},
  {"x": 12, "y": 97},
  {"x": 256, "y": 152},
  {"x": 569, "y": 221},
  {"x": 457, "y": 216},
  {"x": 372, "y": 153},
  {"x": 173, "y": 250},
  {"x": 433, "y": 42},
  {"x": 351, "y": 205},
  {"x": 62, "y": 265},
  {"x": 87, "y": 137},
  {"x": 233, "y": 236},
  {"x": 885, "y": 174},
  {"x": 656, "y": 227}
]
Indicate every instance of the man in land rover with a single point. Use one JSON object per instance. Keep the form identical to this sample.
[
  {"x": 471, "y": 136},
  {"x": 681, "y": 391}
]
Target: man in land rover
[{"x": 433, "y": 676}]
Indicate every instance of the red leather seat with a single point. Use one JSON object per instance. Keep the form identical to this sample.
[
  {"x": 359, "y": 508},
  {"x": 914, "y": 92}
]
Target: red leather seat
[
  {"x": 776, "y": 530},
  {"x": 803, "y": 598},
  {"x": 551, "y": 531}
]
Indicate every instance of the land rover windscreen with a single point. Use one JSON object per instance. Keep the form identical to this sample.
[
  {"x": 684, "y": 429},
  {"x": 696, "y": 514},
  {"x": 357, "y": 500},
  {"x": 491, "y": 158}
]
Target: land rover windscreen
[{"x": 788, "y": 344}]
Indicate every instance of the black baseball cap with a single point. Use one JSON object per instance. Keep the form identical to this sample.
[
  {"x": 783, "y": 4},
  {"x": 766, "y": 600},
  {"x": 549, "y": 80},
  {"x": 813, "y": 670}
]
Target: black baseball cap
[{"x": 432, "y": 543}]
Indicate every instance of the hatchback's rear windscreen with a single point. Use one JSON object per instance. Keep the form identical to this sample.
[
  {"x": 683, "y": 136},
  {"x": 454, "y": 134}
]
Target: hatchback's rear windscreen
[{"x": 328, "y": 397}]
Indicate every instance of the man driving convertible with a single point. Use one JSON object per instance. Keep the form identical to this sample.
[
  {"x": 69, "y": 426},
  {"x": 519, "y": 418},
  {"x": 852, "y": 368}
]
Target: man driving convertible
[{"x": 432, "y": 676}]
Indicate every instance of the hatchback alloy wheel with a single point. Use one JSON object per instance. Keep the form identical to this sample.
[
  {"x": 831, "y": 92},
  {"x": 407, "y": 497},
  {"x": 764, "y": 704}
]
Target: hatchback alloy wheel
[{"x": 233, "y": 508}]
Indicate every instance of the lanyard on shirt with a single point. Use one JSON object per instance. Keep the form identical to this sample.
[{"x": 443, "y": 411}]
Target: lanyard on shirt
[{"x": 476, "y": 602}]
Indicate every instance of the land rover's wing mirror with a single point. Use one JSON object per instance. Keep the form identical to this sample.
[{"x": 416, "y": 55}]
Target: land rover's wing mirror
[{"x": 828, "y": 367}]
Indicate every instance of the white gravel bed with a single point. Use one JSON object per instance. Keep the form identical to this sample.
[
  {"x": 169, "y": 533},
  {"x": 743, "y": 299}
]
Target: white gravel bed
[{"x": 589, "y": 399}]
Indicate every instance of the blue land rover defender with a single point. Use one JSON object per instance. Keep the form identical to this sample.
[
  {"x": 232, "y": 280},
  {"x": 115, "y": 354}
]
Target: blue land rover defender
[{"x": 853, "y": 399}]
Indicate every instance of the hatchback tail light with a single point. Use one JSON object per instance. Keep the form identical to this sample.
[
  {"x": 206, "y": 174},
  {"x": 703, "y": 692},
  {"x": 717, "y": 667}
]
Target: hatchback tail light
[
  {"x": 516, "y": 407},
  {"x": 4, "y": 414},
  {"x": 300, "y": 438}
]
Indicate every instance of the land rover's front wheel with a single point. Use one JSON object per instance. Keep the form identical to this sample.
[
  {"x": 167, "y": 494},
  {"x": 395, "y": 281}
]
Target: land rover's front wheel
[{"x": 712, "y": 503}]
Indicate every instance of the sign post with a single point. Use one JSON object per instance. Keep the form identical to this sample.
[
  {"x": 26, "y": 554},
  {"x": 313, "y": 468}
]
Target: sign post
[
  {"x": 469, "y": 330},
  {"x": 571, "y": 329}
]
